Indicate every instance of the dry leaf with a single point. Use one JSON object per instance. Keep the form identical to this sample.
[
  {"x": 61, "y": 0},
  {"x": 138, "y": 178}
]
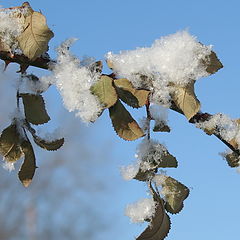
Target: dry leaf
[
  {"x": 50, "y": 146},
  {"x": 28, "y": 167},
  {"x": 124, "y": 125},
  {"x": 34, "y": 108},
  {"x": 131, "y": 96},
  {"x": 175, "y": 193},
  {"x": 212, "y": 63},
  {"x": 186, "y": 100},
  {"x": 233, "y": 159},
  {"x": 105, "y": 91},
  {"x": 33, "y": 41},
  {"x": 161, "y": 126},
  {"x": 160, "y": 223},
  {"x": 10, "y": 141}
]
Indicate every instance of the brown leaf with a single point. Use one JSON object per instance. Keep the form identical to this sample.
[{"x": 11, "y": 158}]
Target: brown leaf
[
  {"x": 186, "y": 100},
  {"x": 10, "y": 141},
  {"x": 233, "y": 159},
  {"x": 28, "y": 167},
  {"x": 50, "y": 146},
  {"x": 33, "y": 41},
  {"x": 131, "y": 96},
  {"x": 175, "y": 193},
  {"x": 34, "y": 108},
  {"x": 124, "y": 125},
  {"x": 160, "y": 223},
  {"x": 105, "y": 91},
  {"x": 161, "y": 126},
  {"x": 212, "y": 63},
  {"x": 166, "y": 161}
]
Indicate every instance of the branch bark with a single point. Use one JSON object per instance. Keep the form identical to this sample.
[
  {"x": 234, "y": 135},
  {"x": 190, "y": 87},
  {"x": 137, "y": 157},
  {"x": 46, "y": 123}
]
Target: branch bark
[{"x": 41, "y": 62}]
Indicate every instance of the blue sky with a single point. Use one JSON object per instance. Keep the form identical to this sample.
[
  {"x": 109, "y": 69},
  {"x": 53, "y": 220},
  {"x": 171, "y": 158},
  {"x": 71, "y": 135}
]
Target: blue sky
[{"x": 212, "y": 209}]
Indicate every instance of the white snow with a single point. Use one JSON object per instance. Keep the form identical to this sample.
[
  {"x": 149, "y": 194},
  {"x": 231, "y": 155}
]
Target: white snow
[
  {"x": 148, "y": 153},
  {"x": 130, "y": 171},
  {"x": 74, "y": 82},
  {"x": 227, "y": 128},
  {"x": 175, "y": 59},
  {"x": 8, "y": 165},
  {"x": 10, "y": 27},
  {"x": 140, "y": 211}
]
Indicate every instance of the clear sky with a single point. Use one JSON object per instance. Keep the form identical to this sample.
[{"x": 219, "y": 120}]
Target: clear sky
[{"x": 212, "y": 209}]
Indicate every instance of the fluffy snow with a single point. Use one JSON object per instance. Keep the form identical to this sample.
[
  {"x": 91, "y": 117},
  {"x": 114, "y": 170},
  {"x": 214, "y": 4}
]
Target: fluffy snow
[
  {"x": 10, "y": 27},
  {"x": 148, "y": 154},
  {"x": 140, "y": 211},
  {"x": 159, "y": 114},
  {"x": 30, "y": 85},
  {"x": 74, "y": 82},
  {"x": 8, "y": 166},
  {"x": 130, "y": 171},
  {"x": 57, "y": 133},
  {"x": 175, "y": 59},
  {"x": 149, "y": 151},
  {"x": 227, "y": 128}
]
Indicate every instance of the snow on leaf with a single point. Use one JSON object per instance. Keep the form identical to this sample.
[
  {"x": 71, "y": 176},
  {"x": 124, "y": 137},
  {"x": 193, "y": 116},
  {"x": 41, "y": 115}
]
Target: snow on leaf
[
  {"x": 124, "y": 125},
  {"x": 161, "y": 126},
  {"x": 175, "y": 193},
  {"x": 34, "y": 108},
  {"x": 131, "y": 96},
  {"x": 167, "y": 161},
  {"x": 105, "y": 91},
  {"x": 28, "y": 167},
  {"x": 160, "y": 223},
  {"x": 33, "y": 41},
  {"x": 186, "y": 100},
  {"x": 48, "y": 145},
  {"x": 10, "y": 144},
  {"x": 233, "y": 159}
]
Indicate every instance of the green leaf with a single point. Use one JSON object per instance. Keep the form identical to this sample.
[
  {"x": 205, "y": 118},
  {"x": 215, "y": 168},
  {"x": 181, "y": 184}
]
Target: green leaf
[
  {"x": 105, "y": 91},
  {"x": 160, "y": 223},
  {"x": 50, "y": 146},
  {"x": 212, "y": 63},
  {"x": 33, "y": 41},
  {"x": 28, "y": 167},
  {"x": 10, "y": 141},
  {"x": 185, "y": 99},
  {"x": 124, "y": 125},
  {"x": 175, "y": 193},
  {"x": 34, "y": 108},
  {"x": 128, "y": 94}
]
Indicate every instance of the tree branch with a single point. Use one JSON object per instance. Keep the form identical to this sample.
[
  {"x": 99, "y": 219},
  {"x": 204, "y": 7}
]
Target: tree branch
[
  {"x": 40, "y": 62},
  {"x": 202, "y": 117}
]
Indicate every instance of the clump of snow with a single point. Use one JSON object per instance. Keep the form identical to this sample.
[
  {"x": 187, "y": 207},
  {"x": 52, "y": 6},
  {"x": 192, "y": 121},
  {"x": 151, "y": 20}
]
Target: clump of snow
[
  {"x": 159, "y": 114},
  {"x": 149, "y": 153},
  {"x": 175, "y": 59},
  {"x": 165, "y": 190},
  {"x": 31, "y": 84},
  {"x": 11, "y": 26},
  {"x": 160, "y": 179},
  {"x": 8, "y": 166},
  {"x": 130, "y": 171},
  {"x": 140, "y": 211},
  {"x": 74, "y": 82},
  {"x": 50, "y": 136},
  {"x": 220, "y": 123}
]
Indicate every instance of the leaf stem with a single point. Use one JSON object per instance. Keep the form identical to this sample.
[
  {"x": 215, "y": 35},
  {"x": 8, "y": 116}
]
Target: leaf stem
[{"x": 149, "y": 118}]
